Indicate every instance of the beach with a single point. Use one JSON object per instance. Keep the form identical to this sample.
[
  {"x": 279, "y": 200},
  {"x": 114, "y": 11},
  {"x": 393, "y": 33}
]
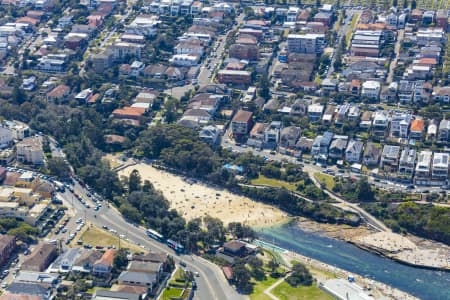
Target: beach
[{"x": 193, "y": 199}]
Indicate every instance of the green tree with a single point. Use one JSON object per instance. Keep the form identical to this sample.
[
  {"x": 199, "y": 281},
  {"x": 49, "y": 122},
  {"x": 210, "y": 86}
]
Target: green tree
[
  {"x": 273, "y": 265},
  {"x": 120, "y": 260},
  {"x": 364, "y": 191},
  {"x": 242, "y": 278},
  {"x": 300, "y": 276},
  {"x": 58, "y": 167},
  {"x": 134, "y": 181}
]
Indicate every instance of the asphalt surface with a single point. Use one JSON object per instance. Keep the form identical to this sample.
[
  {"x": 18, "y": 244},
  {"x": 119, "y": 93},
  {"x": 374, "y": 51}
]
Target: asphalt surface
[{"x": 211, "y": 282}]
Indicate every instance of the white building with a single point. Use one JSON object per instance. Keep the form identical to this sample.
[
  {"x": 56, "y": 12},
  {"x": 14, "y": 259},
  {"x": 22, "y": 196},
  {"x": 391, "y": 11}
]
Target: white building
[
  {"x": 30, "y": 150},
  {"x": 439, "y": 169},
  {"x": 371, "y": 89},
  {"x": 143, "y": 25},
  {"x": 423, "y": 164},
  {"x": 184, "y": 60},
  {"x": 306, "y": 43},
  {"x": 6, "y": 137}
]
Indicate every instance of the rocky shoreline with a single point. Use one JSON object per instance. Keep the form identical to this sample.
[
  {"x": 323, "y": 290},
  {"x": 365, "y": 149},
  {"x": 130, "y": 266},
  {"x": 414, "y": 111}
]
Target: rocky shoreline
[{"x": 409, "y": 250}]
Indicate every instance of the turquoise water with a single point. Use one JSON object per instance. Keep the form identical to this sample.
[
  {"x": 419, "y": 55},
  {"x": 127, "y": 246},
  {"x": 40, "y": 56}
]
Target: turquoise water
[{"x": 422, "y": 283}]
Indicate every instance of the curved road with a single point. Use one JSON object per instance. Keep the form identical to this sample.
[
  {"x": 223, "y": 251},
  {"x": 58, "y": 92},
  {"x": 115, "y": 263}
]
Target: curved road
[{"x": 211, "y": 283}]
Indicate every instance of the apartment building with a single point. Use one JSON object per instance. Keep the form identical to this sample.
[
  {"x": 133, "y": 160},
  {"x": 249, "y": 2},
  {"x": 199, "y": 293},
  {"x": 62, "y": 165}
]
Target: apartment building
[
  {"x": 311, "y": 43},
  {"x": 241, "y": 123},
  {"x": 423, "y": 165},
  {"x": 407, "y": 162},
  {"x": 439, "y": 168},
  {"x": 30, "y": 150}
]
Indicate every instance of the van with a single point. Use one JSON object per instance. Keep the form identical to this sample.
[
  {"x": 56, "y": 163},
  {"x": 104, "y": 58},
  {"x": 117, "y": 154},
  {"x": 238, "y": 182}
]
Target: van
[{"x": 53, "y": 242}]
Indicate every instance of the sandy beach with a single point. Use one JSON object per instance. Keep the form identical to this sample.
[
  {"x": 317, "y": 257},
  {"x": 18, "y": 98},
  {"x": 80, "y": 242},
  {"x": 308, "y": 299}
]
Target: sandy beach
[{"x": 194, "y": 200}]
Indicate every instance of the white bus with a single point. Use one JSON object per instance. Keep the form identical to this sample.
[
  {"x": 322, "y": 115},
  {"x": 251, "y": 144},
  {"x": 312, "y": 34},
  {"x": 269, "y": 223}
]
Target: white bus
[{"x": 155, "y": 235}]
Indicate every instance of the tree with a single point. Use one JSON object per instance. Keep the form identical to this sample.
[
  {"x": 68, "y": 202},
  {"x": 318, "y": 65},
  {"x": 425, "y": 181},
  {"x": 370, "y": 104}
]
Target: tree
[
  {"x": 120, "y": 260},
  {"x": 273, "y": 265},
  {"x": 413, "y": 4},
  {"x": 242, "y": 278},
  {"x": 58, "y": 167},
  {"x": 300, "y": 276},
  {"x": 134, "y": 181},
  {"x": 364, "y": 191},
  {"x": 264, "y": 87}
]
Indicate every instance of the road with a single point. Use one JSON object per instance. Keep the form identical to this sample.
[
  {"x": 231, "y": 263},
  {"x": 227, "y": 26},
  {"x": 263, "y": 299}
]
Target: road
[
  {"x": 211, "y": 283},
  {"x": 397, "y": 49},
  {"x": 207, "y": 70}
]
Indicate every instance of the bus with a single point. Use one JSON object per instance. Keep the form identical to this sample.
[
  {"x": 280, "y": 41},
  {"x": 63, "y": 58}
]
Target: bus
[
  {"x": 155, "y": 235},
  {"x": 175, "y": 246}
]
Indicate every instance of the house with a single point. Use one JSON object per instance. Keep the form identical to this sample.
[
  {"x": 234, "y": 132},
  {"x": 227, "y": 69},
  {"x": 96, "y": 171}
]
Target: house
[
  {"x": 439, "y": 168},
  {"x": 184, "y": 60},
  {"x": 432, "y": 129},
  {"x": 41, "y": 258},
  {"x": 136, "y": 68},
  {"x": 354, "y": 151},
  {"x": 328, "y": 115},
  {"x": 146, "y": 267},
  {"x": 256, "y": 135},
  {"x": 85, "y": 262},
  {"x": 138, "y": 278},
  {"x": 315, "y": 112},
  {"x": 11, "y": 296},
  {"x": 235, "y": 248},
  {"x": 7, "y": 247},
  {"x": 423, "y": 165},
  {"x": 84, "y": 95},
  {"x": 371, "y": 156},
  {"x": 371, "y": 89},
  {"x": 390, "y": 157},
  {"x": 366, "y": 120},
  {"x": 29, "y": 150},
  {"x": 241, "y": 123},
  {"x": 289, "y": 136},
  {"x": 353, "y": 114},
  {"x": 103, "y": 266},
  {"x": 416, "y": 129},
  {"x": 337, "y": 148},
  {"x": 321, "y": 145},
  {"x": 407, "y": 162},
  {"x": 174, "y": 74},
  {"x": 210, "y": 134},
  {"x": 41, "y": 278},
  {"x": 30, "y": 289},
  {"x": 441, "y": 94},
  {"x": 400, "y": 125},
  {"x": 444, "y": 130},
  {"x": 380, "y": 123},
  {"x": 272, "y": 133},
  {"x": 155, "y": 71},
  {"x": 29, "y": 84},
  {"x": 128, "y": 113},
  {"x": 59, "y": 93},
  {"x": 110, "y": 295}
]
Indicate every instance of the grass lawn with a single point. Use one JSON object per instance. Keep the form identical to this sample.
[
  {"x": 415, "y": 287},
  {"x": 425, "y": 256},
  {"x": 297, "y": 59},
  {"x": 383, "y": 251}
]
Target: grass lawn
[
  {"x": 171, "y": 292},
  {"x": 285, "y": 292},
  {"x": 262, "y": 180},
  {"x": 327, "y": 179},
  {"x": 260, "y": 287},
  {"x": 96, "y": 236}
]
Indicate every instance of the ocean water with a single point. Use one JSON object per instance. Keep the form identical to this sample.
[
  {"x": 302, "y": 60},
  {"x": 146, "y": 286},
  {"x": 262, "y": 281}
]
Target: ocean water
[{"x": 422, "y": 283}]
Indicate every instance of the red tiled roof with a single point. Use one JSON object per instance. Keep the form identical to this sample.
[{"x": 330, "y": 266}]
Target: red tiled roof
[
  {"x": 417, "y": 125},
  {"x": 107, "y": 257}
]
